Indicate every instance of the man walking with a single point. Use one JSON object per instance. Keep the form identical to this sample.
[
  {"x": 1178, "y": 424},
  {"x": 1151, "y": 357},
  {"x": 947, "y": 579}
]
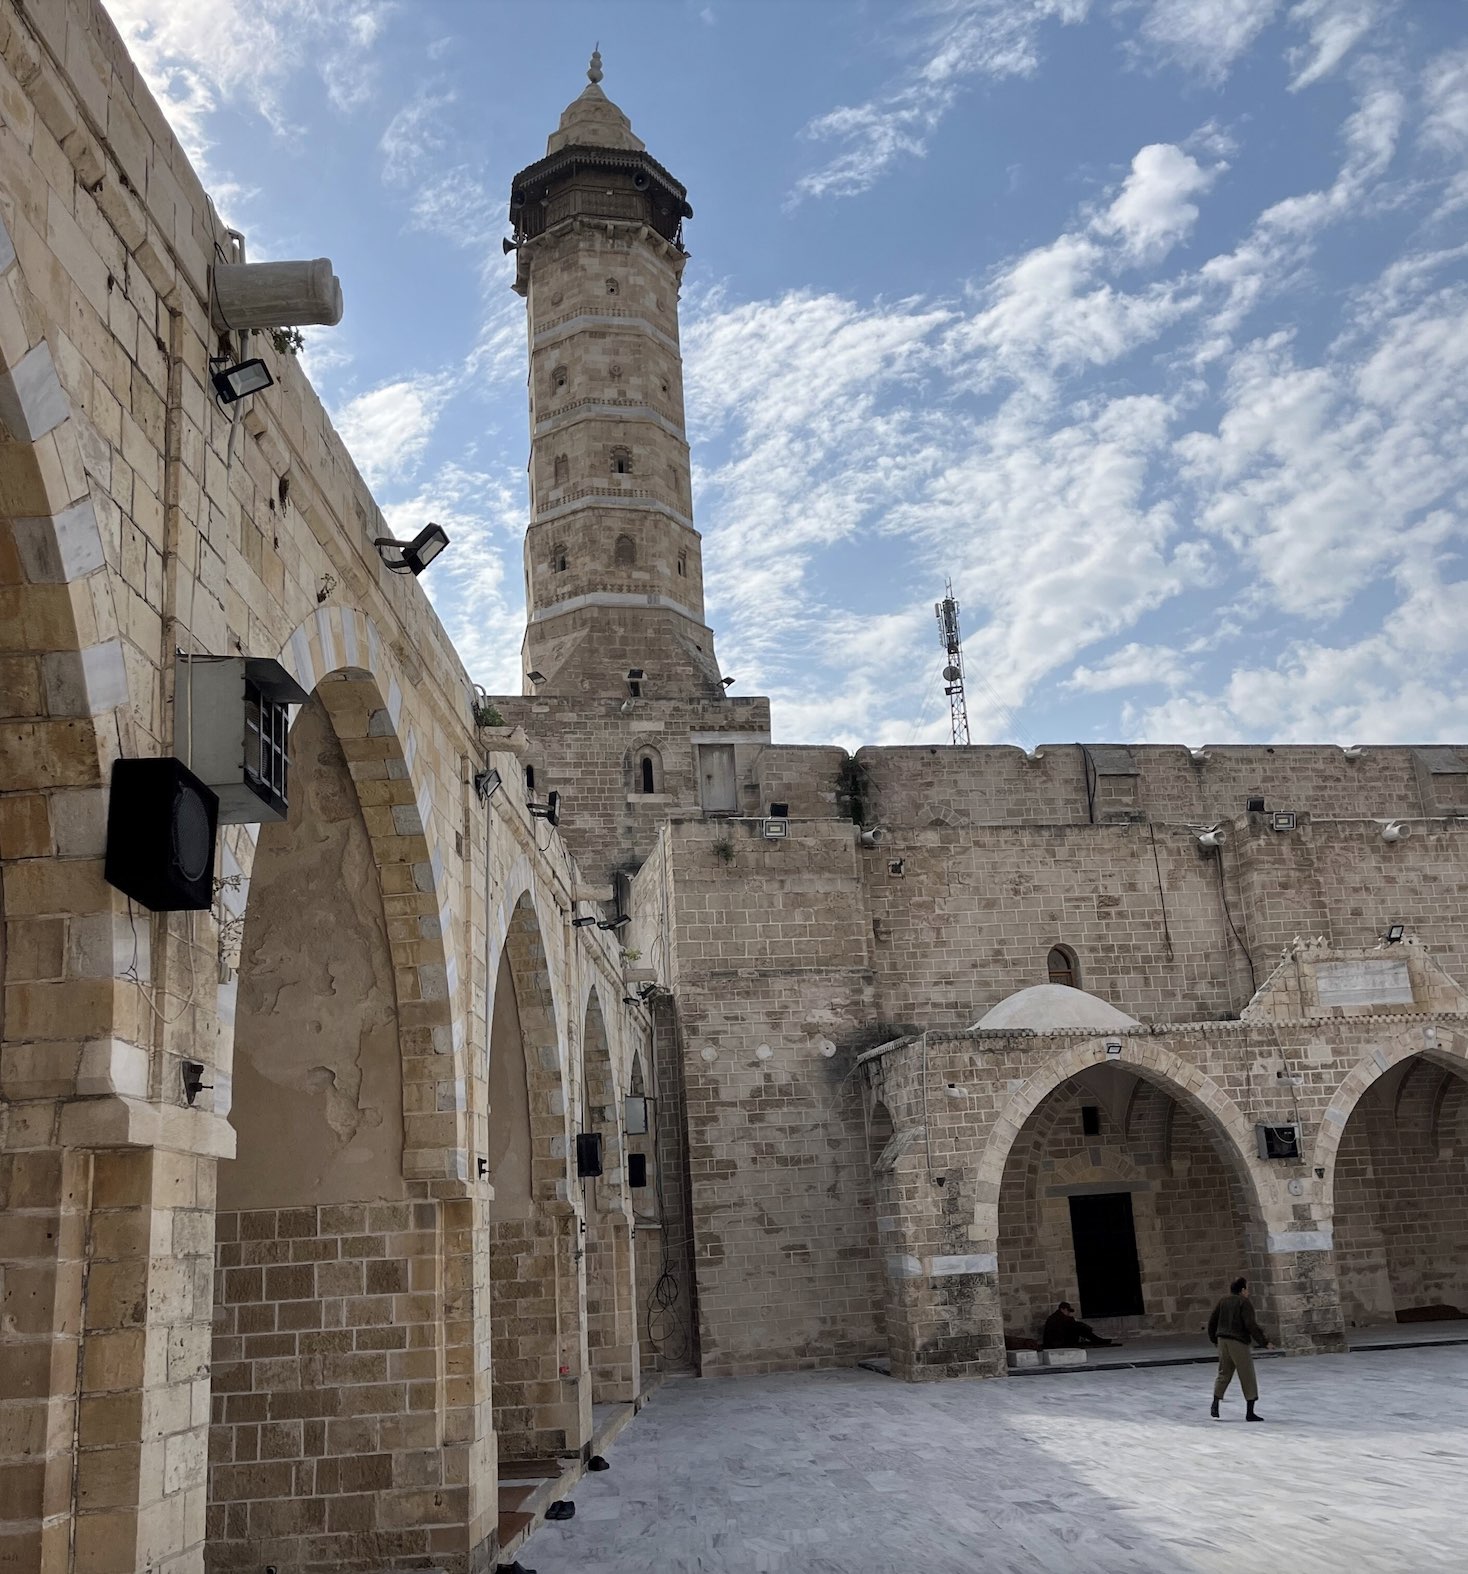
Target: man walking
[{"x": 1234, "y": 1329}]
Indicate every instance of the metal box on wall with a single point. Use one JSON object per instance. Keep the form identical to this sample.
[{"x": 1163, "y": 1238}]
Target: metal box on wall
[{"x": 231, "y": 727}]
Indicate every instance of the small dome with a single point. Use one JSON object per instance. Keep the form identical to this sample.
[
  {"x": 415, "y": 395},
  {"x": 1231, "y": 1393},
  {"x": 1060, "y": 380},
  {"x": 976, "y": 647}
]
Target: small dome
[{"x": 1047, "y": 1008}]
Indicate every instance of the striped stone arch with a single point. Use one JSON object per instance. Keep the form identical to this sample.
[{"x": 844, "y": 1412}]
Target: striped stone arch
[
  {"x": 1145, "y": 1058},
  {"x": 1447, "y": 1048},
  {"x": 64, "y": 718},
  {"x": 340, "y": 654}
]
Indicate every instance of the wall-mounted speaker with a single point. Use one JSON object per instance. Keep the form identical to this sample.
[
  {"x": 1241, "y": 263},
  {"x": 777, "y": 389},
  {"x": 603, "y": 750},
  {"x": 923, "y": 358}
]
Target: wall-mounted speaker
[
  {"x": 160, "y": 835},
  {"x": 636, "y": 1170},
  {"x": 588, "y": 1154}
]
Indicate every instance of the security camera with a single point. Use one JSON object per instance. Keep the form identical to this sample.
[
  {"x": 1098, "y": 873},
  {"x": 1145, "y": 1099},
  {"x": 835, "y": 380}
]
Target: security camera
[
  {"x": 871, "y": 835},
  {"x": 1395, "y": 831},
  {"x": 1210, "y": 841}
]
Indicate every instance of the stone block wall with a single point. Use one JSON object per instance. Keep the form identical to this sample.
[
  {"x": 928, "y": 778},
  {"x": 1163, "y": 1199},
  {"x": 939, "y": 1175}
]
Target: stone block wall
[
  {"x": 325, "y": 1443},
  {"x": 768, "y": 949}
]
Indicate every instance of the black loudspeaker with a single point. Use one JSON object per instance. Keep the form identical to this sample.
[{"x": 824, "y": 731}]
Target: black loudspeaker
[
  {"x": 636, "y": 1170},
  {"x": 160, "y": 835},
  {"x": 588, "y": 1154}
]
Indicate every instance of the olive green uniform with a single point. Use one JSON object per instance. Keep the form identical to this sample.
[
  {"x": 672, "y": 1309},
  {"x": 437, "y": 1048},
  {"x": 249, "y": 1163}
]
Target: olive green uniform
[{"x": 1234, "y": 1328}]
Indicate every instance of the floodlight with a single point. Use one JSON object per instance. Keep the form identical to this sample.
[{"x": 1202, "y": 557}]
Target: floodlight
[
  {"x": 235, "y": 382},
  {"x": 487, "y": 784},
  {"x": 412, "y": 557}
]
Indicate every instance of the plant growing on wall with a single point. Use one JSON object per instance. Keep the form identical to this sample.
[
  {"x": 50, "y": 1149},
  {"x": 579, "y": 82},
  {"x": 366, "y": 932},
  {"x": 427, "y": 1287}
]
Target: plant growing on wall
[
  {"x": 287, "y": 341},
  {"x": 724, "y": 850},
  {"x": 486, "y": 714}
]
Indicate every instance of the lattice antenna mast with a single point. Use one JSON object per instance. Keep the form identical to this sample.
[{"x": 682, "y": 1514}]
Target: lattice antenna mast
[{"x": 952, "y": 642}]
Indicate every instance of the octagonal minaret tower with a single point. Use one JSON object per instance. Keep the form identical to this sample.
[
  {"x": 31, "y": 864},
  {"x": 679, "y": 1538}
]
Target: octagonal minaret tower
[
  {"x": 613, "y": 572},
  {"x": 625, "y": 709}
]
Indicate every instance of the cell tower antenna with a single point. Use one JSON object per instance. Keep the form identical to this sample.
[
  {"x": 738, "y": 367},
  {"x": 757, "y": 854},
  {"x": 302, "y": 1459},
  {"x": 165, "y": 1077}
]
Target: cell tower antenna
[{"x": 952, "y": 642}]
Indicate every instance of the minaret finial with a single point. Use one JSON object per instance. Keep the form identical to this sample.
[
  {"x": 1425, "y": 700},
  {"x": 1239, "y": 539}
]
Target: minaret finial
[{"x": 593, "y": 71}]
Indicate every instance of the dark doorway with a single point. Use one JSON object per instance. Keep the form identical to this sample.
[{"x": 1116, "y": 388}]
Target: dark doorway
[{"x": 1108, "y": 1276}]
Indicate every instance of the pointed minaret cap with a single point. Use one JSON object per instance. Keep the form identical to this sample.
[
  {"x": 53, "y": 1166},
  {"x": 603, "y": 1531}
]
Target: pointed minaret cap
[{"x": 593, "y": 120}]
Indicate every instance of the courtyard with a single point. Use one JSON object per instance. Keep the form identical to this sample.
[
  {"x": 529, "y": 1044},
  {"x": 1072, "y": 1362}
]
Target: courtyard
[{"x": 1360, "y": 1466}]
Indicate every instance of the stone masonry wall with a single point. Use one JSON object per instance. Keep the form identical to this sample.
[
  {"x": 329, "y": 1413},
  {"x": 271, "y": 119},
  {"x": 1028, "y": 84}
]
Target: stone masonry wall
[{"x": 325, "y": 1440}]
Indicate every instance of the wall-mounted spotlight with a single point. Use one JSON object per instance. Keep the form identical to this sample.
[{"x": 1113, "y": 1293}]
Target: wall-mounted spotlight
[
  {"x": 234, "y": 381},
  {"x": 871, "y": 835},
  {"x": 1211, "y": 840},
  {"x": 1395, "y": 934},
  {"x": 728, "y": 683},
  {"x": 549, "y": 811},
  {"x": 487, "y": 784},
  {"x": 535, "y": 677},
  {"x": 586, "y": 921},
  {"x": 617, "y": 923},
  {"x": 412, "y": 557}
]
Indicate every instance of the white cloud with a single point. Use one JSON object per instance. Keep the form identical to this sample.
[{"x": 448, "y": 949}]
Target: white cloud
[
  {"x": 1445, "y": 91},
  {"x": 197, "y": 55},
  {"x": 965, "y": 39},
  {"x": 1152, "y": 212},
  {"x": 1132, "y": 666},
  {"x": 1335, "y": 28},
  {"x": 446, "y": 198},
  {"x": 1205, "y": 36},
  {"x": 483, "y": 513},
  {"x": 387, "y": 428}
]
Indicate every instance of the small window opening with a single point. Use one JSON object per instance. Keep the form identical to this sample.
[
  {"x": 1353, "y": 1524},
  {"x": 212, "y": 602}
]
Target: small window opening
[
  {"x": 530, "y": 778},
  {"x": 558, "y": 378},
  {"x": 563, "y": 469},
  {"x": 613, "y": 288},
  {"x": 1090, "y": 1120},
  {"x": 625, "y": 551},
  {"x": 621, "y": 461},
  {"x": 1062, "y": 968},
  {"x": 635, "y": 676},
  {"x": 647, "y": 775},
  {"x": 683, "y": 564},
  {"x": 558, "y": 559}
]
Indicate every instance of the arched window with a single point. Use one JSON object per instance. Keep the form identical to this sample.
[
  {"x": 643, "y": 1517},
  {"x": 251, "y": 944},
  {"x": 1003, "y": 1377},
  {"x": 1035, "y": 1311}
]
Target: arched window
[
  {"x": 563, "y": 469},
  {"x": 683, "y": 564},
  {"x": 625, "y": 551},
  {"x": 621, "y": 461},
  {"x": 647, "y": 770},
  {"x": 558, "y": 378},
  {"x": 1063, "y": 968},
  {"x": 613, "y": 288},
  {"x": 558, "y": 558}
]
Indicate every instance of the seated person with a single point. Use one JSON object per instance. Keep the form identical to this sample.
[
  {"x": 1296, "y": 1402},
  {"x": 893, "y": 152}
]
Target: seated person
[{"x": 1064, "y": 1330}]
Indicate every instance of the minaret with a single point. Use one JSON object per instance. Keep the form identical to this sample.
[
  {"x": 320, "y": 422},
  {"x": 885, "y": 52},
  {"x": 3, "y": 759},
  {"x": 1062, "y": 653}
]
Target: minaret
[
  {"x": 613, "y": 571},
  {"x": 622, "y": 702}
]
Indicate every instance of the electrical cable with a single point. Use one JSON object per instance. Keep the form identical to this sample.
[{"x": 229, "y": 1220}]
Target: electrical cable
[
  {"x": 1223, "y": 896},
  {"x": 1161, "y": 893}
]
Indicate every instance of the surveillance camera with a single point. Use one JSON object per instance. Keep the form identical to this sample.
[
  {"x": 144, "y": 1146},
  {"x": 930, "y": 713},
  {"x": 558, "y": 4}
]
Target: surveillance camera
[
  {"x": 1395, "y": 831},
  {"x": 1210, "y": 841}
]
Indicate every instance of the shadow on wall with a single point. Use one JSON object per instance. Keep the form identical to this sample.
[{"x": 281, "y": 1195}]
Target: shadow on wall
[{"x": 317, "y": 1090}]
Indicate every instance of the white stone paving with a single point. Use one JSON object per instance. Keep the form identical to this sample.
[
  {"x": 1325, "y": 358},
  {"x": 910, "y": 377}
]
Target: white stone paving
[{"x": 1361, "y": 1465}]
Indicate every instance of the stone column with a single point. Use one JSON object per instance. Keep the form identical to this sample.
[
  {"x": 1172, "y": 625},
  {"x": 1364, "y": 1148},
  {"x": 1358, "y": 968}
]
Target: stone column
[{"x": 1302, "y": 1294}]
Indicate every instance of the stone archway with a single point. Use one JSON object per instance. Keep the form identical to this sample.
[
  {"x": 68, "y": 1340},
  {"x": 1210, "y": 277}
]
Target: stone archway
[
  {"x": 611, "y": 1323},
  {"x": 541, "y": 1392},
  {"x": 1291, "y": 1268},
  {"x": 1098, "y": 1153},
  {"x": 332, "y": 1416},
  {"x": 1393, "y": 1144}
]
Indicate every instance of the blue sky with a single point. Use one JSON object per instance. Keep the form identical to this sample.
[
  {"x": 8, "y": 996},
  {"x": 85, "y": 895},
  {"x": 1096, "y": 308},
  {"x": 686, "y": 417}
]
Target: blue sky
[{"x": 1146, "y": 320}]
